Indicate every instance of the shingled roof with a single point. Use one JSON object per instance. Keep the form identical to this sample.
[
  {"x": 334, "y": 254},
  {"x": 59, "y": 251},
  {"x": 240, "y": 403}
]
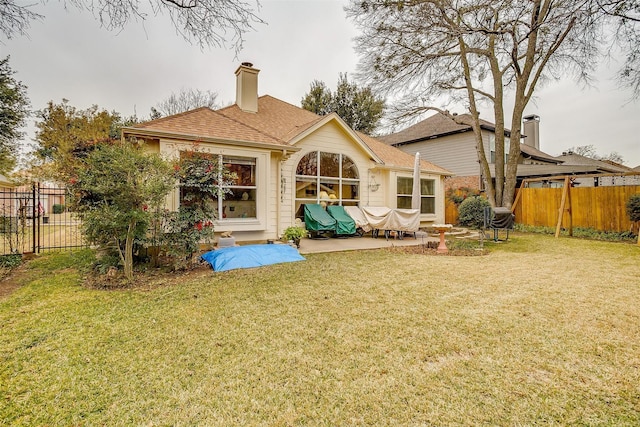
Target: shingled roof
[
  {"x": 435, "y": 126},
  {"x": 571, "y": 158},
  {"x": 534, "y": 153},
  {"x": 204, "y": 123},
  {"x": 392, "y": 156},
  {"x": 276, "y": 123}
]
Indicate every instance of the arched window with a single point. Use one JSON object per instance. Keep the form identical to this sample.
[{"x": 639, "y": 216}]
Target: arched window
[{"x": 327, "y": 178}]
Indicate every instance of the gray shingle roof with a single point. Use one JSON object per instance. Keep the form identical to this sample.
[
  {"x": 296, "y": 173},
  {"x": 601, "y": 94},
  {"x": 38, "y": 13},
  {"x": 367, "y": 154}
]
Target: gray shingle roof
[{"x": 435, "y": 126}]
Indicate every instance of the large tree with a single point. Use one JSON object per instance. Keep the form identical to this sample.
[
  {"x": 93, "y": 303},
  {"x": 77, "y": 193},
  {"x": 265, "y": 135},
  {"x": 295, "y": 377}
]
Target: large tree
[
  {"x": 358, "y": 107},
  {"x": 14, "y": 109},
  {"x": 204, "y": 22},
  {"x": 65, "y": 135},
  {"x": 477, "y": 53}
]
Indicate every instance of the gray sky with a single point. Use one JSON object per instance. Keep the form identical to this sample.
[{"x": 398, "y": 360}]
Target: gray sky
[{"x": 69, "y": 56}]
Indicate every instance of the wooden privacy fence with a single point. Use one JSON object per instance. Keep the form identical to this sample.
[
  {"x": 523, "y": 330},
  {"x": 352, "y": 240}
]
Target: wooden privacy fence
[{"x": 601, "y": 208}]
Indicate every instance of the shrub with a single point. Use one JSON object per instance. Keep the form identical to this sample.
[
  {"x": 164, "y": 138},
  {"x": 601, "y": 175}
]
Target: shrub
[
  {"x": 459, "y": 195},
  {"x": 471, "y": 211},
  {"x": 116, "y": 189},
  {"x": 633, "y": 207},
  {"x": 10, "y": 261},
  {"x": 58, "y": 209},
  {"x": 202, "y": 180}
]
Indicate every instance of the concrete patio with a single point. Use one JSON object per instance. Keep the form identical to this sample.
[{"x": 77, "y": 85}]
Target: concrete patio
[{"x": 308, "y": 246}]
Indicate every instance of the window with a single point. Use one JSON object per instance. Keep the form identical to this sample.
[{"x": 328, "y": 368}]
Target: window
[
  {"x": 492, "y": 148},
  {"x": 427, "y": 194},
  {"x": 240, "y": 199},
  {"x": 326, "y": 178},
  {"x": 240, "y": 194}
]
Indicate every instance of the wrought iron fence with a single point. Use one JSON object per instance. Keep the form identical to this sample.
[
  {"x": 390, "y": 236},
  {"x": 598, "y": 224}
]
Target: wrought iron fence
[{"x": 36, "y": 219}]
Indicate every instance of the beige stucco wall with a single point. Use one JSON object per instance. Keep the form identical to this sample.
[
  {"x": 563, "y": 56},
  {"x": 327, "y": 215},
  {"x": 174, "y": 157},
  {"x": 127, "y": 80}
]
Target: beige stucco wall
[
  {"x": 330, "y": 138},
  {"x": 275, "y": 205}
]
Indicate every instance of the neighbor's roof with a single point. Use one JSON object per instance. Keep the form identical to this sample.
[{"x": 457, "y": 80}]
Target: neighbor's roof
[
  {"x": 533, "y": 152},
  {"x": 571, "y": 158},
  {"x": 436, "y": 126},
  {"x": 277, "y": 123},
  {"x": 6, "y": 182},
  {"x": 539, "y": 171}
]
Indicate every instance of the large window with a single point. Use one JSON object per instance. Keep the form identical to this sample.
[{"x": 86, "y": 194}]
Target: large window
[
  {"x": 427, "y": 194},
  {"x": 327, "y": 178},
  {"x": 240, "y": 194}
]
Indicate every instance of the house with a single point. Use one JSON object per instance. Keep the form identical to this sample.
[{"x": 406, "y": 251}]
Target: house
[
  {"x": 449, "y": 141},
  {"x": 616, "y": 174},
  {"x": 285, "y": 157}
]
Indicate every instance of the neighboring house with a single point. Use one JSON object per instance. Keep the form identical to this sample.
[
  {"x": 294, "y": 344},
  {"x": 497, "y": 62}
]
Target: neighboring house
[
  {"x": 6, "y": 184},
  {"x": 7, "y": 202},
  {"x": 570, "y": 158},
  {"x": 450, "y": 143},
  {"x": 285, "y": 156}
]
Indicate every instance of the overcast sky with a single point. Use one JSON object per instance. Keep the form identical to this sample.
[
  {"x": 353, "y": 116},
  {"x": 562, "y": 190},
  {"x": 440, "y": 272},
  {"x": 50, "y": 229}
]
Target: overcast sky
[{"x": 68, "y": 55}]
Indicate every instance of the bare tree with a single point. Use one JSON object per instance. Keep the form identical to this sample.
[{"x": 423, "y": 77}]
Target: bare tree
[
  {"x": 203, "y": 22},
  {"x": 15, "y": 18},
  {"x": 476, "y": 52},
  {"x": 626, "y": 16},
  {"x": 185, "y": 100},
  {"x": 590, "y": 151}
]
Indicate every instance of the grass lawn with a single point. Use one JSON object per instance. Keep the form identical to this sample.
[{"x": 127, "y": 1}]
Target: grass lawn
[{"x": 541, "y": 331}]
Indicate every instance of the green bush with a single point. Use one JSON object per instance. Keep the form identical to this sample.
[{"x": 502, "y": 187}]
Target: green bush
[
  {"x": 471, "y": 211},
  {"x": 633, "y": 207},
  {"x": 58, "y": 209},
  {"x": 10, "y": 261}
]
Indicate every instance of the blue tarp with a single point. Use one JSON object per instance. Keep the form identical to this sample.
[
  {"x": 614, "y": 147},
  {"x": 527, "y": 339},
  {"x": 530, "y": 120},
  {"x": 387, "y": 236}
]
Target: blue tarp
[{"x": 250, "y": 256}]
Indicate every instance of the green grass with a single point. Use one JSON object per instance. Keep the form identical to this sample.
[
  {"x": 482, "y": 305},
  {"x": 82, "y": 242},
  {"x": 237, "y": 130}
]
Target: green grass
[{"x": 541, "y": 331}]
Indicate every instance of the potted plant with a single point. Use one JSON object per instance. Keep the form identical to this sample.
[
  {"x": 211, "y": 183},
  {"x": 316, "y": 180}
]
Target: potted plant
[{"x": 294, "y": 234}]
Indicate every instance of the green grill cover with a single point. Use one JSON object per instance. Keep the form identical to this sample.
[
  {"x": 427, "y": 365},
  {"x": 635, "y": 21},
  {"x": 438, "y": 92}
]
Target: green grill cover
[
  {"x": 346, "y": 225},
  {"x": 317, "y": 219}
]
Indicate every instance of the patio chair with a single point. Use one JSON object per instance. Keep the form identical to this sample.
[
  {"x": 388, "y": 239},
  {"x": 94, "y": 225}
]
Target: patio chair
[
  {"x": 345, "y": 226},
  {"x": 362, "y": 225},
  {"x": 318, "y": 222}
]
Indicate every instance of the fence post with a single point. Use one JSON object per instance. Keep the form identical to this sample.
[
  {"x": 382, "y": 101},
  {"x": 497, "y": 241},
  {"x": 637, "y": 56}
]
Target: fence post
[
  {"x": 34, "y": 220},
  {"x": 565, "y": 191}
]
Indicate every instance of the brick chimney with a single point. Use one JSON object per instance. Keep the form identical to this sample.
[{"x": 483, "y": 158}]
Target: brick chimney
[
  {"x": 531, "y": 125},
  {"x": 247, "y": 87}
]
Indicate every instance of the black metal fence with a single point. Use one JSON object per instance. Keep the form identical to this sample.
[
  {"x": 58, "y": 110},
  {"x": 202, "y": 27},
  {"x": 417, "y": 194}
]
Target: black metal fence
[{"x": 36, "y": 219}]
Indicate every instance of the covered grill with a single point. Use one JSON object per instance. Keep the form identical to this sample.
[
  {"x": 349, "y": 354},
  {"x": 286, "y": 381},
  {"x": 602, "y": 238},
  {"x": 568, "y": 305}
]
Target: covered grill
[{"x": 498, "y": 219}]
